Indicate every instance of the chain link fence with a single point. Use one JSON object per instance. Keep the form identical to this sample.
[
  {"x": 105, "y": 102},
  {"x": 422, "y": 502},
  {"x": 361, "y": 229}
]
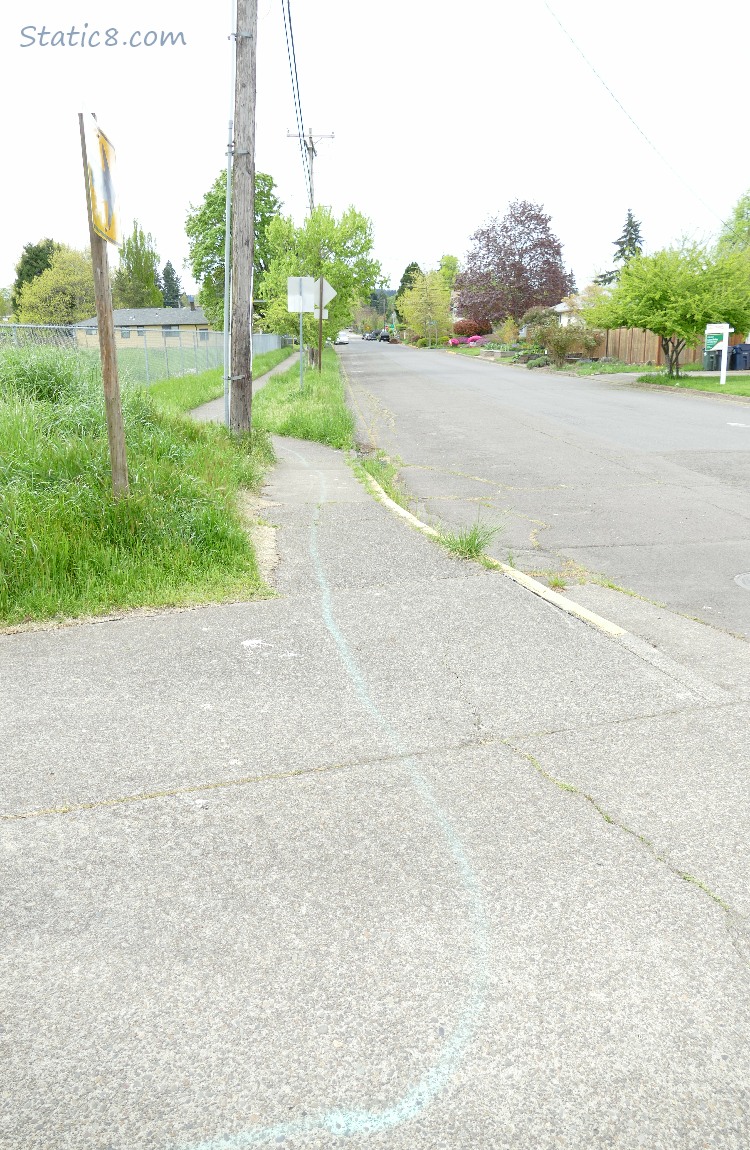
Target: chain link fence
[{"x": 144, "y": 354}]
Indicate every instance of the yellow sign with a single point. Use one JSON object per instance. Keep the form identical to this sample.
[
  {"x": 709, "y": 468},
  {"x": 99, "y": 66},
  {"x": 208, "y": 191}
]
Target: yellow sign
[{"x": 100, "y": 166}]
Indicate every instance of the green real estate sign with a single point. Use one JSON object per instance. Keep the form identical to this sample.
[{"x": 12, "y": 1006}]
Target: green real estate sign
[{"x": 712, "y": 340}]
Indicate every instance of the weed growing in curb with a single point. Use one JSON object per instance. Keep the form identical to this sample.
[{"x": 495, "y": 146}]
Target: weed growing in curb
[
  {"x": 385, "y": 473},
  {"x": 469, "y": 542}
]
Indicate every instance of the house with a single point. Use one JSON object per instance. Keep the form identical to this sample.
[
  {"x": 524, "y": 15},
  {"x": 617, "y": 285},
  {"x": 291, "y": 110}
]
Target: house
[
  {"x": 149, "y": 325},
  {"x": 565, "y": 313}
]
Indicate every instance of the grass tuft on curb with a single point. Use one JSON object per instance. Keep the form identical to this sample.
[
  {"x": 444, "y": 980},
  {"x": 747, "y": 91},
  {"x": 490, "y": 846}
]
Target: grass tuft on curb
[
  {"x": 385, "y": 472},
  {"x": 469, "y": 542},
  {"x": 318, "y": 412},
  {"x": 67, "y": 547}
]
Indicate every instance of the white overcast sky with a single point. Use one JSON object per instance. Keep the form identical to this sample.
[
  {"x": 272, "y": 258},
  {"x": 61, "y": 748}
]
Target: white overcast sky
[{"x": 442, "y": 112}]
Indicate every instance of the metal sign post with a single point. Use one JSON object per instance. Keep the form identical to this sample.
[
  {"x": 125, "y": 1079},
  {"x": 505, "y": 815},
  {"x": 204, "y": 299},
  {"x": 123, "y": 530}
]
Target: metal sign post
[
  {"x": 98, "y": 170},
  {"x": 300, "y": 298}
]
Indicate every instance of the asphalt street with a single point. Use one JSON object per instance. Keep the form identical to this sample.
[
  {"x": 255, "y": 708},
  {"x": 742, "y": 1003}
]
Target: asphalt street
[
  {"x": 587, "y": 477},
  {"x": 404, "y": 857}
]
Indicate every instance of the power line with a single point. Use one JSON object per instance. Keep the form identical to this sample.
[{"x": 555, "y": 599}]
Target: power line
[
  {"x": 292, "y": 57},
  {"x": 295, "y": 95},
  {"x": 626, "y": 113}
]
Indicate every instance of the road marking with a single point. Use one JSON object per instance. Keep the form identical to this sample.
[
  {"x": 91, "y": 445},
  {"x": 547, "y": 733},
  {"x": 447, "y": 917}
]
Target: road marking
[{"x": 738, "y": 425}]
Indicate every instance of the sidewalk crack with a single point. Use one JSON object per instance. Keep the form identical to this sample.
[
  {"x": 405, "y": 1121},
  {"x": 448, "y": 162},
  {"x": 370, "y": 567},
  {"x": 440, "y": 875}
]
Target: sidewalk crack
[{"x": 738, "y": 926}]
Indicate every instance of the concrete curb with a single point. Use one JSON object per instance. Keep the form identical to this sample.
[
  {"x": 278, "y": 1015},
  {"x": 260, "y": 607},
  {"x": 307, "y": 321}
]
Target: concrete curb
[
  {"x": 519, "y": 577},
  {"x": 665, "y": 664}
]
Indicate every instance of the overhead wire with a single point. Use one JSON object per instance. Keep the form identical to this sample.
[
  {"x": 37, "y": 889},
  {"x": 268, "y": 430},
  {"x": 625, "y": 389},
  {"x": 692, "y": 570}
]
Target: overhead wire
[
  {"x": 626, "y": 113},
  {"x": 292, "y": 58}
]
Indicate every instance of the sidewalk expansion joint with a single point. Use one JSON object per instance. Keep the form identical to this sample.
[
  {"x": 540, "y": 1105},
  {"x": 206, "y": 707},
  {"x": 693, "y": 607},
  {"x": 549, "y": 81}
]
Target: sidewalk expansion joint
[
  {"x": 737, "y": 925},
  {"x": 391, "y": 757}
]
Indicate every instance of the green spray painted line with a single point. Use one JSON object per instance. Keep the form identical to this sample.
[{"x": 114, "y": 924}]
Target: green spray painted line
[{"x": 411, "y": 1104}]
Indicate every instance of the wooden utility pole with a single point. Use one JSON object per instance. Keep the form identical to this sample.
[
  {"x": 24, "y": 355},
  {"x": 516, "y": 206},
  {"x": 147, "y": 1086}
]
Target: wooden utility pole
[
  {"x": 243, "y": 217},
  {"x": 106, "y": 327}
]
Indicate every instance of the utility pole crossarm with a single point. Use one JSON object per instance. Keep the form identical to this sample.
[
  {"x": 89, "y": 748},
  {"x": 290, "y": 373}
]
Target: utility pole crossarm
[{"x": 310, "y": 141}]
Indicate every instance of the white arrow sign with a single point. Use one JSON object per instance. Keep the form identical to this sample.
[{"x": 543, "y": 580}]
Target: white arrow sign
[
  {"x": 328, "y": 292},
  {"x": 316, "y": 313},
  {"x": 300, "y": 294}
]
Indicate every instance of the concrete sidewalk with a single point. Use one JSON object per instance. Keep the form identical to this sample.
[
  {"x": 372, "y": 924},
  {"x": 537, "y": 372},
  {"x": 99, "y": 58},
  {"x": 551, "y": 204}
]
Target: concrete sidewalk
[
  {"x": 404, "y": 858},
  {"x": 213, "y": 411}
]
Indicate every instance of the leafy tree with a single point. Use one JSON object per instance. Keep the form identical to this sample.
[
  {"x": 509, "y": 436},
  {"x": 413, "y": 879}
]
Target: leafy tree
[
  {"x": 411, "y": 271},
  {"x": 675, "y": 293},
  {"x": 735, "y": 234},
  {"x": 171, "y": 286},
  {"x": 6, "y": 307},
  {"x": 426, "y": 307},
  {"x": 340, "y": 250},
  {"x": 448, "y": 268},
  {"x": 136, "y": 283},
  {"x": 63, "y": 294},
  {"x": 35, "y": 259},
  {"x": 206, "y": 234},
  {"x": 513, "y": 264},
  {"x": 627, "y": 245}
]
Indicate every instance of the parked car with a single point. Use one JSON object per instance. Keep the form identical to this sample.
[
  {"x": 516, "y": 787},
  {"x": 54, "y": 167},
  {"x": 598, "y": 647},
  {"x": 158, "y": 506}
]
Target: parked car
[
  {"x": 385, "y": 336},
  {"x": 342, "y": 337}
]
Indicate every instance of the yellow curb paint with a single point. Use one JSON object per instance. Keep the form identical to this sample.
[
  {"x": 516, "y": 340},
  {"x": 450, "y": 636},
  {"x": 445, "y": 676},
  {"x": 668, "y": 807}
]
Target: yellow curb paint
[{"x": 519, "y": 577}]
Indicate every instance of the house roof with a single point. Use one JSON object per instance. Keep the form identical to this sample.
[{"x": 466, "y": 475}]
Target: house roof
[{"x": 152, "y": 317}]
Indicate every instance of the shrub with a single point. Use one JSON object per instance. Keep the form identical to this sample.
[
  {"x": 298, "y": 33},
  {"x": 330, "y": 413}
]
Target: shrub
[
  {"x": 538, "y": 361},
  {"x": 508, "y": 331},
  {"x": 422, "y": 342},
  {"x": 471, "y": 327},
  {"x": 561, "y": 341}
]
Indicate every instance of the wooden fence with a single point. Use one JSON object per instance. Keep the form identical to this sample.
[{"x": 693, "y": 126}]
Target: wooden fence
[{"x": 636, "y": 345}]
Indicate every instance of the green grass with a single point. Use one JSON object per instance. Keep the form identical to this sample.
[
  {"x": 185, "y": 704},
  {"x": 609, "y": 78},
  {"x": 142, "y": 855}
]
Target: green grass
[
  {"x": 189, "y": 391},
  {"x": 602, "y": 368},
  {"x": 384, "y": 472},
  {"x": 67, "y": 548},
  {"x": 318, "y": 412},
  {"x": 737, "y": 383},
  {"x": 469, "y": 542}
]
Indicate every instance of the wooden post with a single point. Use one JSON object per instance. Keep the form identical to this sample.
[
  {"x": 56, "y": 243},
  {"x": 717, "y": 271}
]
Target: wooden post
[
  {"x": 106, "y": 326},
  {"x": 243, "y": 217}
]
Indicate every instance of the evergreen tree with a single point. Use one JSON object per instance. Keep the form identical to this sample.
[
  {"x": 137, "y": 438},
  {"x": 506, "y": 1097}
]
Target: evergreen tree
[
  {"x": 629, "y": 244},
  {"x": 35, "y": 259},
  {"x": 136, "y": 281},
  {"x": 171, "y": 286}
]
